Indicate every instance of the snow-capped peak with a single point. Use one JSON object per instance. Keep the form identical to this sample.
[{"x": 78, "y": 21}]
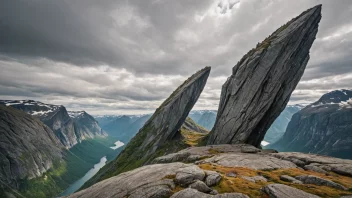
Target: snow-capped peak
[{"x": 75, "y": 114}]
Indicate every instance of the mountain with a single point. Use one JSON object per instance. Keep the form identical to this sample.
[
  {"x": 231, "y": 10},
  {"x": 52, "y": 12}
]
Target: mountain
[
  {"x": 28, "y": 148},
  {"x": 205, "y": 118},
  {"x": 58, "y": 119},
  {"x": 85, "y": 125},
  {"x": 323, "y": 127},
  {"x": 123, "y": 127},
  {"x": 161, "y": 133},
  {"x": 262, "y": 82},
  {"x": 278, "y": 128}
]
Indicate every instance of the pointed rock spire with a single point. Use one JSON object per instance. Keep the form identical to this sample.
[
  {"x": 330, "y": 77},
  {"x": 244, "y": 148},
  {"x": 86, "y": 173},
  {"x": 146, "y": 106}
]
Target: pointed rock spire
[
  {"x": 160, "y": 133},
  {"x": 263, "y": 80}
]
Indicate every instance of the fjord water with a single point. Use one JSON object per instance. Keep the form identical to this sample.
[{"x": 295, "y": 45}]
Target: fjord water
[
  {"x": 79, "y": 183},
  {"x": 75, "y": 186}
]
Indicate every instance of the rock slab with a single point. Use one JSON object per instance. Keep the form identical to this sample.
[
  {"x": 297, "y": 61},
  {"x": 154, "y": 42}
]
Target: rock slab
[{"x": 262, "y": 82}]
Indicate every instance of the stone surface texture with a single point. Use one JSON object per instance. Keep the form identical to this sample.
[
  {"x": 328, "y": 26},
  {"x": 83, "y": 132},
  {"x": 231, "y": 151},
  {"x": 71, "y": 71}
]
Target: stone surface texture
[
  {"x": 262, "y": 82},
  {"x": 283, "y": 191}
]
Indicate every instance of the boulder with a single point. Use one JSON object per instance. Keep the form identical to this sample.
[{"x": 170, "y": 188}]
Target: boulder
[
  {"x": 200, "y": 186},
  {"x": 212, "y": 178},
  {"x": 188, "y": 175},
  {"x": 192, "y": 193},
  {"x": 255, "y": 179},
  {"x": 283, "y": 191},
  {"x": 311, "y": 179},
  {"x": 262, "y": 82},
  {"x": 288, "y": 178}
]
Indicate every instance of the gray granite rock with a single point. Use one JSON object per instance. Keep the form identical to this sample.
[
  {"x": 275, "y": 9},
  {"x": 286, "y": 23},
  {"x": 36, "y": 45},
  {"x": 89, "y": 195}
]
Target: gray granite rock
[
  {"x": 212, "y": 178},
  {"x": 147, "y": 181},
  {"x": 253, "y": 161},
  {"x": 283, "y": 191},
  {"x": 188, "y": 175},
  {"x": 255, "y": 179},
  {"x": 311, "y": 179},
  {"x": 192, "y": 193},
  {"x": 337, "y": 165},
  {"x": 288, "y": 178},
  {"x": 249, "y": 149},
  {"x": 200, "y": 186},
  {"x": 314, "y": 168},
  {"x": 262, "y": 82},
  {"x": 231, "y": 174}
]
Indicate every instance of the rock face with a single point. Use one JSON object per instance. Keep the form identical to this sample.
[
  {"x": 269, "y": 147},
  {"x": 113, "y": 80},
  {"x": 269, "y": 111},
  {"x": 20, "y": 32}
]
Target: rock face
[
  {"x": 323, "y": 127},
  {"x": 281, "y": 191},
  {"x": 85, "y": 125},
  {"x": 58, "y": 119},
  {"x": 160, "y": 134},
  {"x": 263, "y": 80},
  {"x": 28, "y": 148}
]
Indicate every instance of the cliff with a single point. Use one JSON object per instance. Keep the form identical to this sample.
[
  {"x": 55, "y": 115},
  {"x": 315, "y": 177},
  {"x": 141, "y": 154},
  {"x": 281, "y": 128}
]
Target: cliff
[
  {"x": 323, "y": 127},
  {"x": 28, "y": 148},
  {"x": 263, "y": 80},
  {"x": 69, "y": 130}
]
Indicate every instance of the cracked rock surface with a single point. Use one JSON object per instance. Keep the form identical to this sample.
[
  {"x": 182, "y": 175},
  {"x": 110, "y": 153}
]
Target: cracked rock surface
[
  {"x": 263, "y": 80},
  {"x": 281, "y": 191}
]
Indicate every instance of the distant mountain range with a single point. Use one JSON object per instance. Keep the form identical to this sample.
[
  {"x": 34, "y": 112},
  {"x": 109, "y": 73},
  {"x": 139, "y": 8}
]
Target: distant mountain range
[
  {"x": 69, "y": 127},
  {"x": 323, "y": 127},
  {"x": 124, "y": 127},
  {"x": 44, "y": 148}
]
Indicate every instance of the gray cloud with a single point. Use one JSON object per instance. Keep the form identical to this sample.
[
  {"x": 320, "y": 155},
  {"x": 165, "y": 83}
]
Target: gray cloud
[{"x": 127, "y": 56}]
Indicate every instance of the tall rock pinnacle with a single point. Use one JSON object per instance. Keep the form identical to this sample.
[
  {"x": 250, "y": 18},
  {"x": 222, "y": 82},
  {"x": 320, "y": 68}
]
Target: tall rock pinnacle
[
  {"x": 160, "y": 134},
  {"x": 263, "y": 80}
]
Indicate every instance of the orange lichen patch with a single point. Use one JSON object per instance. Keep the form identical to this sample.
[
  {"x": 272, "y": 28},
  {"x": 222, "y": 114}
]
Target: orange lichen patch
[
  {"x": 192, "y": 138},
  {"x": 238, "y": 184},
  {"x": 224, "y": 170},
  {"x": 170, "y": 177},
  {"x": 213, "y": 151}
]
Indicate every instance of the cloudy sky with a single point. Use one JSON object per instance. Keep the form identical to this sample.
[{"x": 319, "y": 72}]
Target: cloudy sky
[{"x": 127, "y": 56}]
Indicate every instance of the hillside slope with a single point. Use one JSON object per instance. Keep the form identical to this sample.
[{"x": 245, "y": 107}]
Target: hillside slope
[{"x": 323, "y": 127}]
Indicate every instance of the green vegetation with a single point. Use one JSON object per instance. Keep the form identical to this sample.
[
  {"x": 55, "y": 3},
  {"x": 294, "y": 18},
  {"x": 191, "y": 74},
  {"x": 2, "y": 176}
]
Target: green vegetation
[{"x": 77, "y": 161}]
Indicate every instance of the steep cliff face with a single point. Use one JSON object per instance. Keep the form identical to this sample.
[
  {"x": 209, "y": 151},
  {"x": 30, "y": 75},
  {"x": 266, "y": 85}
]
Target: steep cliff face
[
  {"x": 323, "y": 127},
  {"x": 69, "y": 130},
  {"x": 263, "y": 80},
  {"x": 28, "y": 148},
  {"x": 160, "y": 134},
  {"x": 85, "y": 125}
]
